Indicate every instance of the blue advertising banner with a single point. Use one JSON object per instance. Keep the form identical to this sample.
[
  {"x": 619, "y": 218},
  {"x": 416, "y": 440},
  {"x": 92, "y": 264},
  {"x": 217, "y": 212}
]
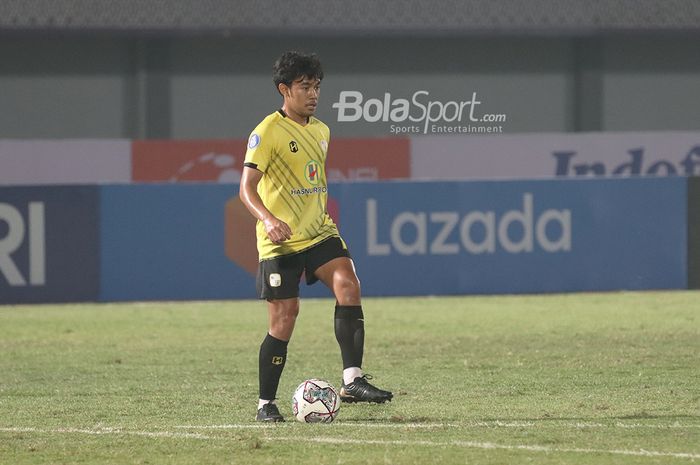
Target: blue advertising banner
[
  {"x": 196, "y": 241},
  {"x": 170, "y": 242},
  {"x": 49, "y": 244},
  {"x": 516, "y": 236},
  {"x": 409, "y": 238}
]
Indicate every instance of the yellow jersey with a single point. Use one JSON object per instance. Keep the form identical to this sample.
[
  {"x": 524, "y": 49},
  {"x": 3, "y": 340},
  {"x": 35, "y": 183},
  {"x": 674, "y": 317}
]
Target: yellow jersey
[{"x": 292, "y": 159}]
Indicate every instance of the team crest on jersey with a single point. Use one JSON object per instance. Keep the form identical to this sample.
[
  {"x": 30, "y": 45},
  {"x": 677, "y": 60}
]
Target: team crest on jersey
[
  {"x": 312, "y": 172},
  {"x": 254, "y": 141},
  {"x": 293, "y": 146}
]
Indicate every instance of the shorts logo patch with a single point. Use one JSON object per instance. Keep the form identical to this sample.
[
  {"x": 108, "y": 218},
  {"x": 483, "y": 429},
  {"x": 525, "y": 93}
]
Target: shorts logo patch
[
  {"x": 275, "y": 280},
  {"x": 254, "y": 141},
  {"x": 276, "y": 360}
]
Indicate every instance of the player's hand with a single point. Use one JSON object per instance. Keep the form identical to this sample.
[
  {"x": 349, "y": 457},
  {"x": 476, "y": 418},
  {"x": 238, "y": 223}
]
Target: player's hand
[{"x": 277, "y": 230}]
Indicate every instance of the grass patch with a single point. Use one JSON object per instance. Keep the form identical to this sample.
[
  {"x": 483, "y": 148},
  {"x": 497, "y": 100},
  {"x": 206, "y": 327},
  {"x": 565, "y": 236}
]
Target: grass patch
[{"x": 574, "y": 379}]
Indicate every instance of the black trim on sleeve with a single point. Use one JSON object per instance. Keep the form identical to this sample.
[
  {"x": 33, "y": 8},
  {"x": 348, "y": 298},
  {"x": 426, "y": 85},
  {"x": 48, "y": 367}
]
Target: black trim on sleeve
[{"x": 251, "y": 165}]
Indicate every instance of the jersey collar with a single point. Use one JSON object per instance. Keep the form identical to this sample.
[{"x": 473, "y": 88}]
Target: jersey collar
[{"x": 284, "y": 115}]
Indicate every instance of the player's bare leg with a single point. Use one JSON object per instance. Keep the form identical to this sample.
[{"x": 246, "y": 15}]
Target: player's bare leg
[
  {"x": 339, "y": 275},
  {"x": 273, "y": 354},
  {"x": 282, "y": 316}
]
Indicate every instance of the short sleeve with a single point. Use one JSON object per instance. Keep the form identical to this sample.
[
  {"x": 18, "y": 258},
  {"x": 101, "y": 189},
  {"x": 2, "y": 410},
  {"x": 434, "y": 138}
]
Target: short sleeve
[{"x": 260, "y": 147}]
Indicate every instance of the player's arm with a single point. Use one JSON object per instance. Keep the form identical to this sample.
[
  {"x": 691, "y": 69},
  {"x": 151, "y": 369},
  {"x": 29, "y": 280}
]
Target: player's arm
[{"x": 276, "y": 229}]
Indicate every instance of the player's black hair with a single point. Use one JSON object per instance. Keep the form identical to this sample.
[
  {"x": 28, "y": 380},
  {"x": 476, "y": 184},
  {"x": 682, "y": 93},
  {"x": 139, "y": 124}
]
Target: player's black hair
[{"x": 293, "y": 65}]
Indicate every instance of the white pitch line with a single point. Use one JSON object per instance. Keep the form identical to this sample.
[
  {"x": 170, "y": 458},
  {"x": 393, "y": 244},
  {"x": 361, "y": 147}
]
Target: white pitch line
[
  {"x": 642, "y": 425},
  {"x": 105, "y": 431},
  {"x": 490, "y": 445},
  {"x": 376, "y": 425},
  {"x": 235, "y": 426},
  {"x": 335, "y": 424},
  {"x": 477, "y": 424},
  {"x": 457, "y": 443}
]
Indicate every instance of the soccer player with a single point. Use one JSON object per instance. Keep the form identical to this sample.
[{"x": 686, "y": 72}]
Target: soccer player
[{"x": 284, "y": 186}]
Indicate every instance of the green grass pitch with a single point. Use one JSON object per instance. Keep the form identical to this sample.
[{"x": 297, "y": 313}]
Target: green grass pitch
[{"x": 610, "y": 378}]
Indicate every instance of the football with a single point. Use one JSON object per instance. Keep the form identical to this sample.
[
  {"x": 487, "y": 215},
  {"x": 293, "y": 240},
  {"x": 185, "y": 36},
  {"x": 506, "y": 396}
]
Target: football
[{"x": 315, "y": 401}]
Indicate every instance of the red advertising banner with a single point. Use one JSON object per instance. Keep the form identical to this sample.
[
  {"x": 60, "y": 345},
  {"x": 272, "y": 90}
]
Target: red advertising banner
[
  {"x": 352, "y": 159},
  {"x": 222, "y": 160},
  {"x": 187, "y": 160}
]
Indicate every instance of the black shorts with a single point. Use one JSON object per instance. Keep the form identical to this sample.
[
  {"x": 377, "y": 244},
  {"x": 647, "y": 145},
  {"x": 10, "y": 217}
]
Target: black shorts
[{"x": 278, "y": 277}]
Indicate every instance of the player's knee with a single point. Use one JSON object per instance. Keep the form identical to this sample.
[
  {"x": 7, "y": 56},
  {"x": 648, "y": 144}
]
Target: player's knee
[
  {"x": 347, "y": 290},
  {"x": 293, "y": 313},
  {"x": 283, "y": 316},
  {"x": 289, "y": 312}
]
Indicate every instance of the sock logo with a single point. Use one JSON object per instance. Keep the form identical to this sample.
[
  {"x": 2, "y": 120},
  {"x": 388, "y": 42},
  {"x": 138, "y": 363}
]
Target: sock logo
[{"x": 277, "y": 360}]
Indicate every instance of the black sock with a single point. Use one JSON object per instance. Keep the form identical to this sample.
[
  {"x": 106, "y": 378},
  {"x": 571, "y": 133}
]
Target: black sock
[
  {"x": 273, "y": 356},
  {"x": 350, "y": 334}
]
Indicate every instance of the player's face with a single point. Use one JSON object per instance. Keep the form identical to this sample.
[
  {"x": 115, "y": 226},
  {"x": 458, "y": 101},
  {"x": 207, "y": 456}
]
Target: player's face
[{"x": 302, "y": 96}]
